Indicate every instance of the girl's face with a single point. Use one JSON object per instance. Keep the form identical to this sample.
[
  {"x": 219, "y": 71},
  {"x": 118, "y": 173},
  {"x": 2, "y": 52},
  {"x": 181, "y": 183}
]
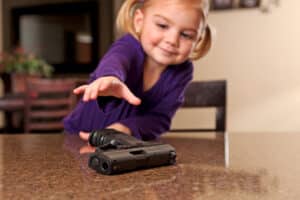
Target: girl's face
[{"x": 168, "y": 30}]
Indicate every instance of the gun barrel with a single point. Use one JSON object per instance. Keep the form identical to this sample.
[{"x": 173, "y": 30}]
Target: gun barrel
[{"x": 114, "y": 162}]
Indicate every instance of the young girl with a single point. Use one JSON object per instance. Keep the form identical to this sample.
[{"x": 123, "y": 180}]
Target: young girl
[{"x": 140, "y": 82}]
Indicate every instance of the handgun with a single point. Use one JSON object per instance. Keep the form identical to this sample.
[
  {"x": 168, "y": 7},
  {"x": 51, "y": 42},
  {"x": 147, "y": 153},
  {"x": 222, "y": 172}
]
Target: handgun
[{"x": 118, "y": 152}]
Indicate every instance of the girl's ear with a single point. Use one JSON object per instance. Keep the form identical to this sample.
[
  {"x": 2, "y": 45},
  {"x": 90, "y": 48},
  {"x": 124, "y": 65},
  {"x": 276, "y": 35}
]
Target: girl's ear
[{"x": 138, "y": 21}]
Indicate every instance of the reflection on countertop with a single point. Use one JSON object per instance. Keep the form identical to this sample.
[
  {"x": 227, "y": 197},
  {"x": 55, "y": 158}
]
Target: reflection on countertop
[{"x": 210, "y": 166}]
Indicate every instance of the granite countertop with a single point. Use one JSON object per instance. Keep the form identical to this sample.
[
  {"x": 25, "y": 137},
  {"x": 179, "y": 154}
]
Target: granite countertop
[{"x": 209, "y": 166}]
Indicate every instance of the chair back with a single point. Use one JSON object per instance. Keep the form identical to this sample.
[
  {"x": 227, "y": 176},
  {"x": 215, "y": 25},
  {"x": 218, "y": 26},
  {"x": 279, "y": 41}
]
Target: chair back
[
  {"x": 207, "y": 94},
  {"x": 47, "y": 102}
]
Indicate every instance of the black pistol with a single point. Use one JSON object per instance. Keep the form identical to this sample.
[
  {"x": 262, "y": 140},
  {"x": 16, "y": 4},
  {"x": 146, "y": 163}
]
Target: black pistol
[{"x": 117, "y": 152}]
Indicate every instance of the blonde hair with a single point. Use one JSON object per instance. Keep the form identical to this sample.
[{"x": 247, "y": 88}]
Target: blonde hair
[{"x": 125, "y": 24}]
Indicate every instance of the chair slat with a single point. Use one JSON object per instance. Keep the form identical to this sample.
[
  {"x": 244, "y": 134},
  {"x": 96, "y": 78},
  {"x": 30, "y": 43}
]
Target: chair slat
[
  {"x": 45, "y": 126},
  {"x": 47, "y": 102},
  {"x": 50, "y": 102},
  {"x": 49, "y": 114}
]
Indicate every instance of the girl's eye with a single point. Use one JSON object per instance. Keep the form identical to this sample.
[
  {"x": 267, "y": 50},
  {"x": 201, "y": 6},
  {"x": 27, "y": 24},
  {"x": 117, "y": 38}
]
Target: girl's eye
[
  {"x": 187, "y": 36},
  {"x": 162, "y": 26}
]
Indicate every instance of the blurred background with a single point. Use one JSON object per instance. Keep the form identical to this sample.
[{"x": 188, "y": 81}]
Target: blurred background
[{"x": 256, "y": 47}]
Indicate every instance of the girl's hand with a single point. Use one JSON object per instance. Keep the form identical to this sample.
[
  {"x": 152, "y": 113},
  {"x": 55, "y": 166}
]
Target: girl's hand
[
  {"x": 87, "y": 148},
  {"x": 120, "y": 127},
  {"x": 107, "y": 86}
]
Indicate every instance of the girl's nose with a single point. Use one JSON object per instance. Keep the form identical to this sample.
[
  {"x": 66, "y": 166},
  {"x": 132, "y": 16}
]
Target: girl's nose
[{"x": 172, "y": 38}]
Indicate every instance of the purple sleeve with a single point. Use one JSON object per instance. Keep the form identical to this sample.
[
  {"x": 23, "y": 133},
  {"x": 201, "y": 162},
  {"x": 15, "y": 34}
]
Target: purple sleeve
[
  {"x": 158, "y": 120},
  {"x": 85, "y": 117}
]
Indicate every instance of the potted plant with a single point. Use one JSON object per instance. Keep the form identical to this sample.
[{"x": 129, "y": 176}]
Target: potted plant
[{"x": 21, "y": 65}]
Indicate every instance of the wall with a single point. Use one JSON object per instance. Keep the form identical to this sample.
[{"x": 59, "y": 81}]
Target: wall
[{"x": 258, "y": 53}]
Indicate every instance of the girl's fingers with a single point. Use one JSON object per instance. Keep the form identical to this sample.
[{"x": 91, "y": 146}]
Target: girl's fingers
[
  {"x": 107, "y": 87},
  {"x": 129, "y": 96},
  {"x": 87, "y": 94},
  {"x": 120, "y": 90},
  {"x": 104, "y": 86},
  {"x": 95, "y": 89},
  {"x": 91, "y": 92},
  {"x": 87, "y": 149},
  {"x": 84, "y": 135},
  {"x": 80, "y": 89}
]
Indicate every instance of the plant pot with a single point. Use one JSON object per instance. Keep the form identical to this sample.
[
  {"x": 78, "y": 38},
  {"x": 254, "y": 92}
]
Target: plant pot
[{"x": 18, "y": 81}]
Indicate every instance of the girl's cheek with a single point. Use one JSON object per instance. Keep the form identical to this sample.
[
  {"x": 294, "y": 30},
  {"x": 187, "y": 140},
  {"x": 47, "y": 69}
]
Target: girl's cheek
[
  {"x": 154, "y": 38},
  {"x": 189, "y": 46},
  {"x": 189, "y": 49}
]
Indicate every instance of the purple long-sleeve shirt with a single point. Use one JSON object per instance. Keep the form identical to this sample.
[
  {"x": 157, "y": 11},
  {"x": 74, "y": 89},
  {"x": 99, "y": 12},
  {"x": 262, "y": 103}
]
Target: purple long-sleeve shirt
[{"x": 125, "y": 60}]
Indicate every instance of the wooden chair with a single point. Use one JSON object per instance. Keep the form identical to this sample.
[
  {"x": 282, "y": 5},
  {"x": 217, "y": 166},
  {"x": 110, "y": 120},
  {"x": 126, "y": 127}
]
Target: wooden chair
[
  {"x": 47, "y": 102},
  {"x": 207, "y": 94}
]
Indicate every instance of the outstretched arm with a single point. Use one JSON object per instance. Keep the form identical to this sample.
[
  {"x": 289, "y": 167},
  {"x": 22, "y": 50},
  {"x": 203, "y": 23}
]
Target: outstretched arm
[
  {"x": 107, "y": 86},
  {"x": 153, "y": 122},
  {"x": 113, "y": 68}
]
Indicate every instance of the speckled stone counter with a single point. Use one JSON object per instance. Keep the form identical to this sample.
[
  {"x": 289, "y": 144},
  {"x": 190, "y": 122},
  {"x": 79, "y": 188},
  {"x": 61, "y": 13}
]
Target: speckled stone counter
[{"x": 209, "y": 166}]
